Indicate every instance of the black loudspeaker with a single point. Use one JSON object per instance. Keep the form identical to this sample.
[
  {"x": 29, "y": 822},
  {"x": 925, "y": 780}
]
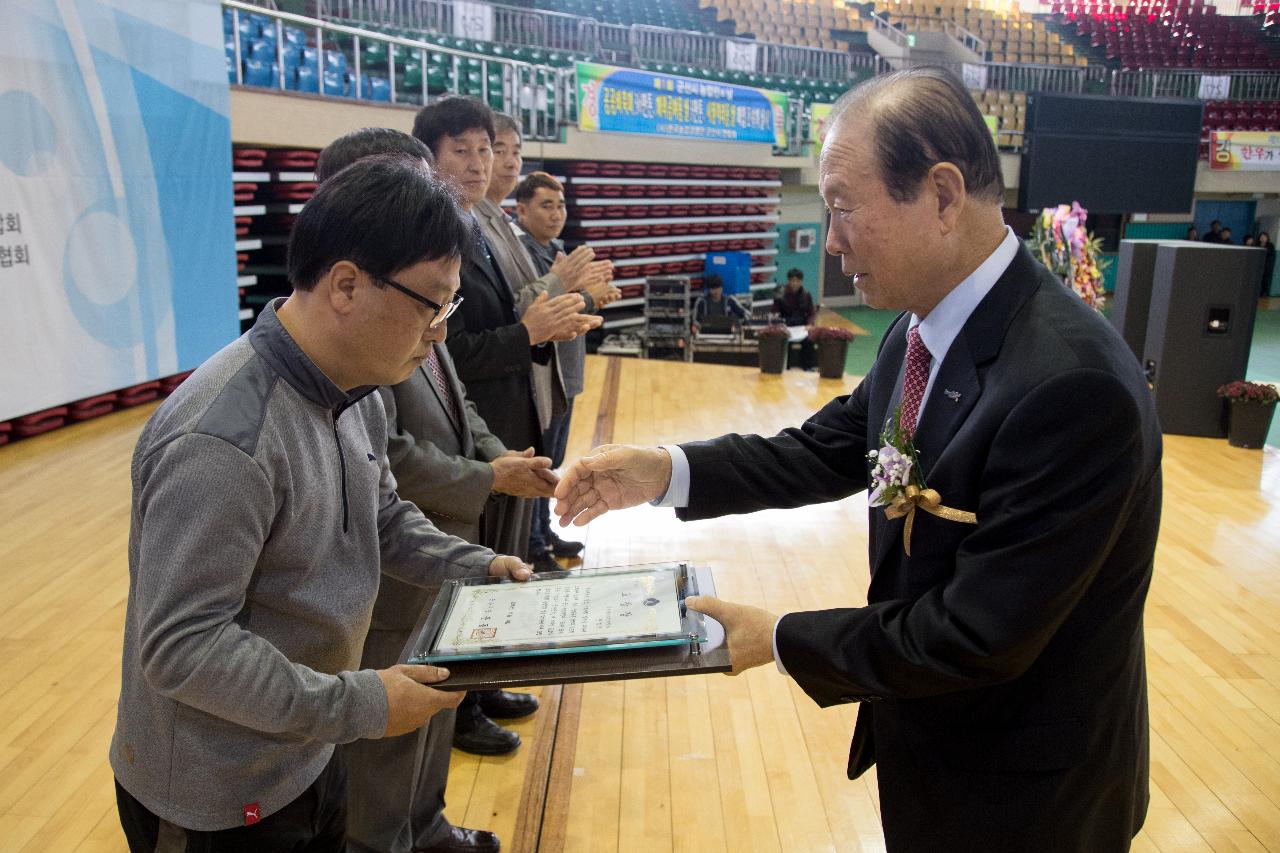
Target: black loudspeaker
[
  {"x": 1131, "y": 302},
  {"x": 1203, "y": 301}
]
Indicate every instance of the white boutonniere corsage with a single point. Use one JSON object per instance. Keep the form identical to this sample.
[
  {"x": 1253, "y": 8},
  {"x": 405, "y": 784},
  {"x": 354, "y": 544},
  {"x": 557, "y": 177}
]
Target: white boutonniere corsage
[{"x": 897, "y": 483}]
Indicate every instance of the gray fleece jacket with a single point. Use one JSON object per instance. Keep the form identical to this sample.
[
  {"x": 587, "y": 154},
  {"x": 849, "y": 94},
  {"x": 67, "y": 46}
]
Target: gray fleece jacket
[{"x": 263, "y": 512}]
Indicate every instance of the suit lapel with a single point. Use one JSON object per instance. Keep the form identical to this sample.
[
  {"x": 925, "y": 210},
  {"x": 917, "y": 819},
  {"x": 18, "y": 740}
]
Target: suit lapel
[
  {"x": 486, "y": 271},
  {"x": 459, "y": 394},
  {"x": 886, "y": 392},
  {"x": 503, "y": 242},
  {"x": 955, "y": 391},
  {"x": 440, "y": 400},
  {"x": 979, "y": 342}
]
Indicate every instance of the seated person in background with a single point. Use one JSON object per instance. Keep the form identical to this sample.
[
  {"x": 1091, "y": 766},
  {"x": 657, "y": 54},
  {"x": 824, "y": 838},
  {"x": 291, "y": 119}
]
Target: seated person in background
[
  {"x": 1215, "y": 233},
  {"x": 1192, "y": 233},
  {"x": 1225, "y": 236},
  {"x": 446, "y": 462},
  {"x": 713, "y": 303},
  {"x": 795, "y": 306}
]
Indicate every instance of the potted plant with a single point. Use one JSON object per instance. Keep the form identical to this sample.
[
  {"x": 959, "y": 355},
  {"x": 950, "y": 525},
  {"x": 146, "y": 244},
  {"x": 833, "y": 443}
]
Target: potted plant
[
  {"x": 772, "y": 343},
  {"x": 833, "y": 348},
  {"x": 1251, "y": 404}
]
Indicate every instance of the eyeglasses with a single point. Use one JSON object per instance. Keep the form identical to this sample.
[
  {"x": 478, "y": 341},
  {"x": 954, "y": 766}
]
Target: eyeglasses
[{"x": 442, "y": 311}]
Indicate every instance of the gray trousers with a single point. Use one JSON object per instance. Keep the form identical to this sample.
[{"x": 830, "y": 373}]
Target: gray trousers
[{"x": 395, "y": 786}]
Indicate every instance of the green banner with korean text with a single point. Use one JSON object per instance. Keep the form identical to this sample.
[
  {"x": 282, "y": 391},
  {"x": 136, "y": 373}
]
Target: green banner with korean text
[{"x": 625, "y": 100}]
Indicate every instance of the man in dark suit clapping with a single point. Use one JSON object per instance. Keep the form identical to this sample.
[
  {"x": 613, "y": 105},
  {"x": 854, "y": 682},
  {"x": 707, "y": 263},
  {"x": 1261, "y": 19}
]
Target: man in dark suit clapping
[
  {"x": 999, "y": 660},
  {"x": 494, "y": 339}
]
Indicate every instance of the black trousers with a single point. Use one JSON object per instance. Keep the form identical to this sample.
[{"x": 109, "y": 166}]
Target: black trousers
[{"x": 315, "y": 822}]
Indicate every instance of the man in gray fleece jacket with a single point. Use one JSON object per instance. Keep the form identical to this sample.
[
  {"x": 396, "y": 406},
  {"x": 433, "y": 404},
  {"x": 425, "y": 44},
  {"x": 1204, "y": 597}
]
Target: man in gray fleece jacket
[{"x": 263, "y": 513}]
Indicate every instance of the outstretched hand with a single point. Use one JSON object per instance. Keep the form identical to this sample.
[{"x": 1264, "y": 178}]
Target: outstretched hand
[
  {"x": 748, "y": 630},
  {"x": 612, "y": 476}
]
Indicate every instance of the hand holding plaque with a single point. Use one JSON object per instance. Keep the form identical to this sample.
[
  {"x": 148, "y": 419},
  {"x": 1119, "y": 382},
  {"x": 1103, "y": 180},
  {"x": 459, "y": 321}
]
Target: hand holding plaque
[{"x": 586, "y": 625}]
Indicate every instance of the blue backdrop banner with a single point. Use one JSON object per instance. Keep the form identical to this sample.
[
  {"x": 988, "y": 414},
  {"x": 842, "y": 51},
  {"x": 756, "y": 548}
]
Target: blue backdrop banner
[
  {"x": 624, "y": 100},
  {"x": 117, "y": 246}
]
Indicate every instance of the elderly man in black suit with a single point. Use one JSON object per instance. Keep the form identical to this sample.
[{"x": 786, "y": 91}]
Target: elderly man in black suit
[{"x": 999, "y": 660}]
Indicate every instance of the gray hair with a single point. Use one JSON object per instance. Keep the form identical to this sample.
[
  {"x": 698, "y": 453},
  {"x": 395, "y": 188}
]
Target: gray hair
[
  {"x": 503, "y": 123},
  {"x": 921, "y": 117}
]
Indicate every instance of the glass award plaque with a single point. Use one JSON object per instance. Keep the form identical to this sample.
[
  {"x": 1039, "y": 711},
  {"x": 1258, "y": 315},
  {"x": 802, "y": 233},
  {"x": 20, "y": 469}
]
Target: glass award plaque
[{"x": 558, "y": 613}]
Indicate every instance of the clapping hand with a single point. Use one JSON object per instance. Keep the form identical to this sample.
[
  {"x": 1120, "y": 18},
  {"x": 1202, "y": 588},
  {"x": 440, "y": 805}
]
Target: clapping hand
[
  {"x": 575, "y": 268},
  {"x": 612, "y": 476},
  {"x": 555, "y": 318}
]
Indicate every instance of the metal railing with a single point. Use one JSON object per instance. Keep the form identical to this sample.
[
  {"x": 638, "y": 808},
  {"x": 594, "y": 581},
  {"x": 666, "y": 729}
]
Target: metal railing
[
  {"x": 524, "y": 85},
  {"x": 1246, "y": 85},
  {"x": 869, "y": 62},
  {"x": 515, "y": 25},
  {"x": 659, "y": 44},
  {"x": 615, "y": 43},
  {"x": 430, "y": 15},
  {"x": 882, "y": 26},
  {"x": 966, "y": 38},
  {"x": 798, "y": 61},
  {"x": 1007, "y": 76}
]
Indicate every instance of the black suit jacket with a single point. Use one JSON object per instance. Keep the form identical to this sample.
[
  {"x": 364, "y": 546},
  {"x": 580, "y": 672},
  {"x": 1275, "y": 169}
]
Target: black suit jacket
[
  {"x": 491, "y": 352},
  {"x": 1000, "y": 666}
]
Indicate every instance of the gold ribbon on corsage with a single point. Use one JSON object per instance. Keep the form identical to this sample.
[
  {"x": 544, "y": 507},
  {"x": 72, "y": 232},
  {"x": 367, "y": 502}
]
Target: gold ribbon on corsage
[{"x": 912, "y": 497}]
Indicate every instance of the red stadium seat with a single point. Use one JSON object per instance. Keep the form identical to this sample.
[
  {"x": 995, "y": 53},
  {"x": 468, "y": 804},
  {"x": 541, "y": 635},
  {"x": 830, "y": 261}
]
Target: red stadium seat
[
  {"x": 40, "y": 422},
  {"x": 137, "y": 394},
  {"x": 92, "y": 407}
]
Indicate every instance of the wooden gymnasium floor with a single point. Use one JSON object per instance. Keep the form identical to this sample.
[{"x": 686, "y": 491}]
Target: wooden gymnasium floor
[{"x": 697, "y": 764}]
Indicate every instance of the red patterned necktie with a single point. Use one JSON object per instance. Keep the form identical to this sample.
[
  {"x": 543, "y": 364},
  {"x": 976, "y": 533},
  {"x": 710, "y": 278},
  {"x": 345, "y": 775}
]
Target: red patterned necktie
[
  {"x": 917, "y": 378},
  {"x": 450, "y": 402}
]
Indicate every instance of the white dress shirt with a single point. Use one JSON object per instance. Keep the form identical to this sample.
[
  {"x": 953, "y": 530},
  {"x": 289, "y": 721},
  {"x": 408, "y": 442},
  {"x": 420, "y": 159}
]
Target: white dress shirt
[{"x": 938, "y": 331}]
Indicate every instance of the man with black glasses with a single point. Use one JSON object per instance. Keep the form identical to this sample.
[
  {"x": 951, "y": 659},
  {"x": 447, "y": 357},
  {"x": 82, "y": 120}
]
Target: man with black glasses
[
  {"x": 446, "y": 462},
  {"x": 264, "y": 512}
]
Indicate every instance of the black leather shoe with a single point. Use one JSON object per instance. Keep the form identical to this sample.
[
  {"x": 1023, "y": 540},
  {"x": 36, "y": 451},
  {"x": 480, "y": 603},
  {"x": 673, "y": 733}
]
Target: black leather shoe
[
  {"x": 546, "y": 562},
  {"x": 464, "y": 841},
  {"x": 505, "y": 705},
  {"x": 485, "y": 737},
  {"x": 564, "y": 547}
]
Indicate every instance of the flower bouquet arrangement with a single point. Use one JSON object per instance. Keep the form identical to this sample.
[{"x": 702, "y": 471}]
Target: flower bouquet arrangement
[
  {"x": 1062, "y": 244},
  {"x": 773, "y": 330}
]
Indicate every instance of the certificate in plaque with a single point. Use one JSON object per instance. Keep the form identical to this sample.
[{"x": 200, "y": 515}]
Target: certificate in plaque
[{"x": 592, "y": 610}]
